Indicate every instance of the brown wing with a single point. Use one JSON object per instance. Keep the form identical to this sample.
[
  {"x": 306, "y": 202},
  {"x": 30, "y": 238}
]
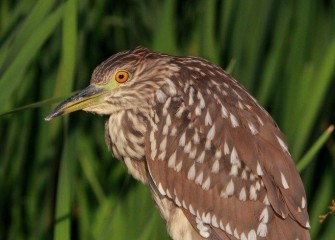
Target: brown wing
[{"x": 218, "y": 155}]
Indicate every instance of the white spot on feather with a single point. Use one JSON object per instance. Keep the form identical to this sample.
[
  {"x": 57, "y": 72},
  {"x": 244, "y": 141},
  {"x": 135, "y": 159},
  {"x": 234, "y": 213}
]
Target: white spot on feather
[
  {"x": 161, "y": 156},
  {"x": 206, "y": 184},
  {"x": 230, "y": 188},
  {"x": 243, "y": 194},
  {"x": 211, "y": 133},
  {"x": 191, "y": 101},
  {"x": 262, "y": 230},
  {"x": 303, "y": 202},
  {"x": 156, "y": 118},
  {"x": 161, "y": 190},
  {"x": 202, "y": 101},
  {"x": 182, "y": 140},
  {"x": 243, "y": 236},
  {"x": 216, "y": 166},
  {"x": 283, "y": 214},
  {"x": 226, "y": 149},
  {"x": 193, "y": 153},
  {"x": 191, "y": 209},
  {"x": 238, "y": 95},
  {"x": 153, "y": 154},
  {"x": 187, "y": 148},
  {"x": 236, "y": 234},
  {"x": 252, "y": 235},
  {"x": 264, "y": 217},
  {"x": 282, "y": 144},
  {"x": 260, "y": 120},
  {"x": 201, "y": 158},
  {"x": 233, "y": 170},
  {"x": 224, "y": 111},
  {"x": 218, "y": 154},
  {"x": 199, "y": 178},
  {"x": 172, "y": 160},
  {"x": 214, "y": 221},
  {"x": 179, "y": 166},
  {"x": 228, "y": 229},
  {"x": 233, "y": 156},
  {"x": 176, "y": 200},
  {"x": 240, "y": 105},
  {"x": 283, "y": 181},
  {"x": 221, "y": 226},
  {"x": 208, "y": 119},
  {"x": 204, "y": 234},
  {"x": 184, "y": 204},
  {"x": 173, "y": 131},
  {"x": 162, "y": 146},
  {"x": 252, "y": 128},
  {"x": 233, "y": 121},
  {"x": 198, "y": 111},
  {"x": 191, "y": 172},
  {"x": 203, "y": 230},
  {"x": 252, "y": 193},
  {"x": 206, "y": 218},
  {"x": 266, "y": 200},
  {"x": 165, "y": 130},
  {"x": 259, "y": 169},
  {"x": 198, "y": 216},
  {"x": 168, "y": 193},
  {"x": 168, "y": 120},
  {"x": 196, "y": 138}
]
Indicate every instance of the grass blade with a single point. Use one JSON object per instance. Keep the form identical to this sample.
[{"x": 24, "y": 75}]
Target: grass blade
[
  {"x": 308, "y": 157},
  {"x": 12, "y": 77}
]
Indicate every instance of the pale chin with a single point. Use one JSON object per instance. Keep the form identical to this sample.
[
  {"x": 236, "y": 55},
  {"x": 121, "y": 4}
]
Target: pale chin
[{"x": 102, "y": 109}]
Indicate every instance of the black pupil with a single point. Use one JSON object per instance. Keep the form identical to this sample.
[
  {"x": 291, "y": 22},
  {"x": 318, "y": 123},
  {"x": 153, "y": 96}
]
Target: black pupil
[{"x": 121, "y": 76}]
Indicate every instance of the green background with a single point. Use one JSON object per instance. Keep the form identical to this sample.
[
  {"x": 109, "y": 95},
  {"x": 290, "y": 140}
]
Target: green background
[{"x": 58, "y": 180}]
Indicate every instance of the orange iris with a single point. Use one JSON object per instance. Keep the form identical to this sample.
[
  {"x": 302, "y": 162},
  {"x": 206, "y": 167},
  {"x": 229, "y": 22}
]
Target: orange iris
[{"x": 121, "y": 76}]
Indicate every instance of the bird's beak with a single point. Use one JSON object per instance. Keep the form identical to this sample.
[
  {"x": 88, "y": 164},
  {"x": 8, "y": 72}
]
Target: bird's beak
[{"x": 90, "y": 96}]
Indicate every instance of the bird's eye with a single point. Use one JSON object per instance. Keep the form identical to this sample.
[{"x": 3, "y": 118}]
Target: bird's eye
[{"x": 121, "y": 76}]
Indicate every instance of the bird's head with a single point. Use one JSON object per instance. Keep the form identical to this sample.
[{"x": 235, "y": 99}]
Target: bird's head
[{"x": 124, "y": 81}]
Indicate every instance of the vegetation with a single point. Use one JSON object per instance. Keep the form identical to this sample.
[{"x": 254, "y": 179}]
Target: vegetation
[{"x": 57, "y": 179}]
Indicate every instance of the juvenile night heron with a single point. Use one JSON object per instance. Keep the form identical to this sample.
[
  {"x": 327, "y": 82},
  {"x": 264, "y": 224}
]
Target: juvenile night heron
[{"x": 215, "y": 161}]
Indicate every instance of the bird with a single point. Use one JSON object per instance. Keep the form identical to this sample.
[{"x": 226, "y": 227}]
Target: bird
[{"x": 216, "y": 163}]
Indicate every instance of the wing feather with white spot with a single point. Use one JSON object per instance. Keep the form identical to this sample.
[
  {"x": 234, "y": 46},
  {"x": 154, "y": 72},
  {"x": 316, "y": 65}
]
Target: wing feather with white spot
[{"x": 224, "y": 161}]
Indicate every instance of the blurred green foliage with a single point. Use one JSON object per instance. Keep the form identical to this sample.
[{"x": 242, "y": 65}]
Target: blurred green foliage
[{"x": 57, "y": 179}]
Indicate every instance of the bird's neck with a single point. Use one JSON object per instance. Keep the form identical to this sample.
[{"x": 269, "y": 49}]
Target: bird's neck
[{"x": 125, "y": 132}]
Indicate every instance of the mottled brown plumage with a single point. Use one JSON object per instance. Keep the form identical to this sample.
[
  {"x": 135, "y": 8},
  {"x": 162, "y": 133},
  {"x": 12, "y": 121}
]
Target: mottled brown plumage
[{"x": 216, "y": 163}]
